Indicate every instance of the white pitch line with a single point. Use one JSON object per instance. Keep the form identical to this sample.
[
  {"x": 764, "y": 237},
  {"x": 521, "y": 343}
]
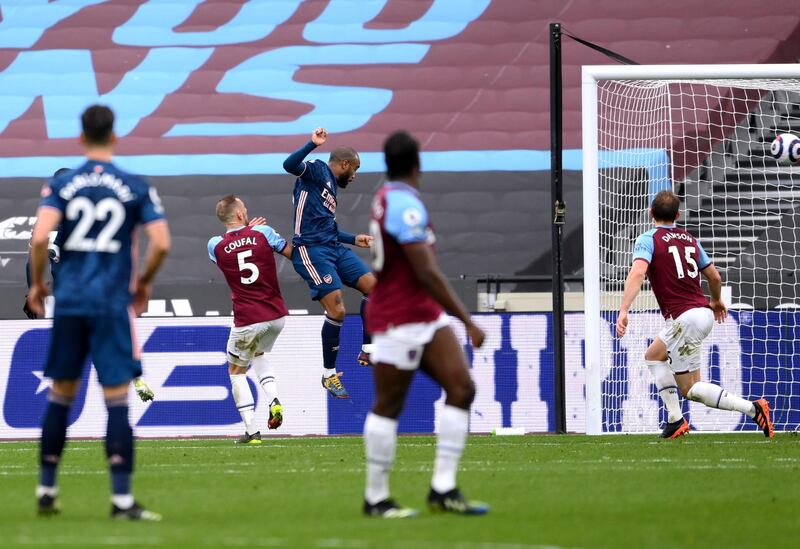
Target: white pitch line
[
  {"x": 249, "y": 542},
  {"x": 613, "y": 466},
  {"x": 345, "y": 543},
  {"x": 310, "y": 443},
  {"x": 108, "y": 540},
  {"x": 327, "y": 543},
  {"x": 140, "y": 447}
]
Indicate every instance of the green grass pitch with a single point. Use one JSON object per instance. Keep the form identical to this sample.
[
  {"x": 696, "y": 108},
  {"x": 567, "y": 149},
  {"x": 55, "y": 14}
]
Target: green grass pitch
[{"x": 546, "y": 491}]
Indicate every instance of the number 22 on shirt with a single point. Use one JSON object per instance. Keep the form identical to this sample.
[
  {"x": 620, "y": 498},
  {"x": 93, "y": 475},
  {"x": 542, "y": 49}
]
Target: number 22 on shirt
[{"x": 86, "y": 213}]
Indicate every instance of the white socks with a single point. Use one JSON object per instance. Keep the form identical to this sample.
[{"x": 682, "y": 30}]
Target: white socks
[
  {"x": 51, "y": 491},
  {"x": 453, "y": 427},
  {"x": 709, "y": 394},
  {"x": 715, "y": 396},
  {"x": 244, "y": 401},
  {"x": 380, "y": 439},
  {"x": 266, "y": 377},
  {"x": 123, "y": 501},
  {"x": 667, "y": 388}
]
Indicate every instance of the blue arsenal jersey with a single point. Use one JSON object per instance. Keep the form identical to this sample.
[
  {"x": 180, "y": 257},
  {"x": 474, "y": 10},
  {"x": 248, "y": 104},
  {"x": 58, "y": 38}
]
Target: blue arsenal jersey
[
  {"x": 101, "y": 207},
  {"x": 314, "y": 201}
]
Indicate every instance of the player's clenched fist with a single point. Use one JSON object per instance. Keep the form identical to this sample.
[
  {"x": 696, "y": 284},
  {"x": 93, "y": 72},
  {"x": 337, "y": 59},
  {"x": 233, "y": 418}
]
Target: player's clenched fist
[
  {"x": 364, "y": 240},
  {"x": 319, "y": 136}
]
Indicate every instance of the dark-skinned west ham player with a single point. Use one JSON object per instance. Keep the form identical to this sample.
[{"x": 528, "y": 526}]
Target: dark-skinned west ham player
[
  {"x": 672, "y": 259},
  {"x": 406, "y": 315},
  {"x": 244, "y": 254}
]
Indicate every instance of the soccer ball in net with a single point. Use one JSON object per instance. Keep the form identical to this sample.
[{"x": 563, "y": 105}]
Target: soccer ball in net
[{"x": 785, "y": 147}]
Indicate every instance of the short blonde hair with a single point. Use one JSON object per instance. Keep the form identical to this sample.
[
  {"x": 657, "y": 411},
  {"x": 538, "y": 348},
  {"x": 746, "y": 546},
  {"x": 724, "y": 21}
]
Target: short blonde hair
[{"x": 227, "y": 208}]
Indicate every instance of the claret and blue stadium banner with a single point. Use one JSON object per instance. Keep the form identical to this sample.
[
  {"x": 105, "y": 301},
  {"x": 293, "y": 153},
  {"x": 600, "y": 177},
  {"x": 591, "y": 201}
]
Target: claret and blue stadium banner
[
  {"x": 220, "y": 87},
  {"x": 184, "y": 362},
  {"x": 211, "y": 96}
]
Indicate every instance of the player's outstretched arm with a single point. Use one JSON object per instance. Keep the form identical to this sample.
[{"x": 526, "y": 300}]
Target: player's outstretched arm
[
  {"x": 358, "y": 240},
  {"x": 47, "y": 219},
  {"x": 157, "y": 250},
  {"x": 714, "y": 279},
  {"x": 346, "y": 238},
  {"x": 632, "y": 286},
  {"x": 294, "y": 162},
  {"x": 423, "y": 263}
]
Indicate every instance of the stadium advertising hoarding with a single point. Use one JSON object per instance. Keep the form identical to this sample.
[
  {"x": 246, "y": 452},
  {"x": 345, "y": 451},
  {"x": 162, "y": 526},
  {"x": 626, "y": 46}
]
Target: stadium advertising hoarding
[{"x": 184, "y": 362}]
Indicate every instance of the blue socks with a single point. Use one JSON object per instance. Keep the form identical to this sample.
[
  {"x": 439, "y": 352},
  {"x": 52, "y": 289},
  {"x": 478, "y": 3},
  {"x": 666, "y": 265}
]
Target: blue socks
[
  {"x": 54, "y": 436},
  {"x": 367, "y": 336},
  {"x": 330, "y": 342},
  {"x": 119, "y": 445}
]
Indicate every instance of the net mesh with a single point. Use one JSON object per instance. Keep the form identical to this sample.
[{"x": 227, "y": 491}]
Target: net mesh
[{"x": 709, "y": 142}]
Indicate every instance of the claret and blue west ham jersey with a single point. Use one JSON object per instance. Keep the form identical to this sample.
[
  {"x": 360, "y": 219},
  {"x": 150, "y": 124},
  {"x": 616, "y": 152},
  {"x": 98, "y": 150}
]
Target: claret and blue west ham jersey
[
  {"x": 101, "y": 207},
  {"x": 314, "y": 200},
  {"x": 675, "y": 259},
  {"x": 244, "y": 256},
  {"x": 398, "y": 218}
]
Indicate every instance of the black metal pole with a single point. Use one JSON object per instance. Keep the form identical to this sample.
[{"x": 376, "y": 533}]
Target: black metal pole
[{"x": 559, "y": 213}]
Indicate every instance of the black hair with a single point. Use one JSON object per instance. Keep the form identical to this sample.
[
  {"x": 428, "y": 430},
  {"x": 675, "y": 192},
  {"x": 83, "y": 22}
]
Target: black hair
[
  {"x": 343, "y": 153},
  {"x": 98, "y": 124},
  {"x": 401, "y": 152},
  {"x": 60, "y": 171},
  {"x": 665, "y": 206}
]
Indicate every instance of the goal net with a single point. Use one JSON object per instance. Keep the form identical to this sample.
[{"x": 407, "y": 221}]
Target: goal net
[{"x": 703, "y": 132}]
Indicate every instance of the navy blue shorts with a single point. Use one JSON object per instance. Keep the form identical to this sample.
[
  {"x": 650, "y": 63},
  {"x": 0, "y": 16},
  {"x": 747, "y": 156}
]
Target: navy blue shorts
[
  {"x": 326, "y": 267},
  {"x": 108, "y": 340}
]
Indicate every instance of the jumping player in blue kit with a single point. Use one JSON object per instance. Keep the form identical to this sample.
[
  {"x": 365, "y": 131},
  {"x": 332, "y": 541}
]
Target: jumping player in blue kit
[
  {"x": 97, "y": 294},
  {"x": 318, "y": 255}
]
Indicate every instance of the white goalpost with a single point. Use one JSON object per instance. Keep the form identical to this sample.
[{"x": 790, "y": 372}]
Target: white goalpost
[{"x": 703, "y": 131}]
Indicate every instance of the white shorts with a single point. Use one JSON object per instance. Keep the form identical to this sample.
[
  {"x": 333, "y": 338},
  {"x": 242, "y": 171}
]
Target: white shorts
[
  {"x": 245, "y": 341},
  {"x": 402, "y": 346},
  {"x": 684, "y": 337}
]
